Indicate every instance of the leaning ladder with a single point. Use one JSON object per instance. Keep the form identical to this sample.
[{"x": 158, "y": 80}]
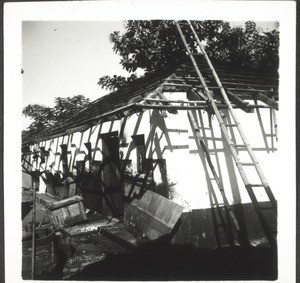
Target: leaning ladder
[{"x": 271, "y": 236}]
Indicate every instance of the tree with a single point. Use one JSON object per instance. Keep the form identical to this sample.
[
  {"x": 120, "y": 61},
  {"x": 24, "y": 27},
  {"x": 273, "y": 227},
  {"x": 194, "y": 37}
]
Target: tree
[
  {"x": 247, "y": 47},
  {"x": 156, "y": 45},
  {"x": 44, "y": 117}
]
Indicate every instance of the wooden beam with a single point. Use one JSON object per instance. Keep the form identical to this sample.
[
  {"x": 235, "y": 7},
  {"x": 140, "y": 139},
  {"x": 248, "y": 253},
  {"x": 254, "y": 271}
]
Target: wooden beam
[
  {"x": 234, "y": 89},
  {"x": 173, "y": 107},
  {"x": 53, "y": 136},
  {"x": 177, "y": 85},
  {"x": 193, "y": 90},
  {"x": 189, "y": 107},
  {"x": 250, "y": 90},
  {"x": 176, "y": 101},
  {"x": 269, "y": 101},
  {"x": 240, "y": 74},
  {"x": 230, "y": 80},
  {"x": 62, "y": 203},
  {"x": 78, "y": 129},
  {"x": 243, "y": 104},
  {"x": 161, "y": 96},
  {"x": 243, "y": 84}
]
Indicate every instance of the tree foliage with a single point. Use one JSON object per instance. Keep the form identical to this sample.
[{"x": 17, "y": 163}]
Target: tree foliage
[
  {"x": 247, "y": 47},
  {"x": 156, "y": 45},
  {"x": 43, "y": 117},
  {"x": 115, "y": 82}
]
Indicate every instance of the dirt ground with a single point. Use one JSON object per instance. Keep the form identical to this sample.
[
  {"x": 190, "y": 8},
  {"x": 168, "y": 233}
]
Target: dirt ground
[
  {"x": 184, "y": 263},
  {"x": 95, "y": 255},
  {"x": 99, "y": 258}
]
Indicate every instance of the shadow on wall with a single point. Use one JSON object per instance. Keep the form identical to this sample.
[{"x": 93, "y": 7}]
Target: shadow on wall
[
  {"x": 204, "y": 229},
  {"x": 218, "y": 229},
  {"x": 135, "y": 186},
  {"x": 147, "y": 168},
  {"x": 102, "y": 187}
]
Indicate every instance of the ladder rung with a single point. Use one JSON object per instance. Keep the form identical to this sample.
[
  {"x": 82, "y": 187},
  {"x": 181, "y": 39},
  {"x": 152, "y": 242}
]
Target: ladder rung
[
  {"x": 247, "y": 164},
  {"x": 240, "y": 145},
  {"x": 220, "y": 205},
  {"x": 210, "y": 89}
]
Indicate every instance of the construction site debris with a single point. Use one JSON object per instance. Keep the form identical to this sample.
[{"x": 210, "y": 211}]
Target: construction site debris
[
  {"x": 45, "y": 255},
  {"x": 67, "y": 212},
  {"x": 89, "y": 248},
  {"x": 151, "y": 217}
]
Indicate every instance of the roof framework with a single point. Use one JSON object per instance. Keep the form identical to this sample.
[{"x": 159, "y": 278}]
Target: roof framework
[{"x": 243, "y": 87}]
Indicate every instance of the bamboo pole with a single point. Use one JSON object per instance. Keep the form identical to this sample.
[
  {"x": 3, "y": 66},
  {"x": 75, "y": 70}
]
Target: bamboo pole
[
  {"x": 193, "y": 60},
  {"x": 231, "y": 145},
  {"x": 230, "y": 108},
  {"x": 218, "y": 181}
]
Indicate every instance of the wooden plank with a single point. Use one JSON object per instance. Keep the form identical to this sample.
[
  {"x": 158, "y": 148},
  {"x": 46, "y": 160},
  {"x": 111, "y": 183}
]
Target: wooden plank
[
  {"x": 120, "y": 235},
  {"x": 142, "y": 225},
  {"x": 152, "y": 216},
  {"x": 64, "y": 202},
  {"x": 160, "y": 208},
  {"x": 177, "y": 107},
  {"x": 177, "y": 101},
  {"x": 252, "y": 85},
  {"x": 235, "y": 81},
  {"x": 243, "y": 104},
  {"x": 251, "y": 90},
  {"x": 269, "y": 101},
  {"x": 232, "y": 74},
  {"x": 190, "y": 107},
  {"x": 177, "y": 85},
  {"x": 74, "y": 209},
  {"x": 67, "y": 216},
  {"x": 78, "y": 129}
]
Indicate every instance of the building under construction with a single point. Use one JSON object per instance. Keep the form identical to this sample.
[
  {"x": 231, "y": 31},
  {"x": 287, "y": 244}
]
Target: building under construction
[{"x": 181, "y": 158}]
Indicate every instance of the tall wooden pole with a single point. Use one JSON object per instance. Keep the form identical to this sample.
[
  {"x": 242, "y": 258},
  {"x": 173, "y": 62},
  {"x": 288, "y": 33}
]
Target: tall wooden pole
[
  {"x": 33, "y": 250},
  {"x": 33, "y": 229}
]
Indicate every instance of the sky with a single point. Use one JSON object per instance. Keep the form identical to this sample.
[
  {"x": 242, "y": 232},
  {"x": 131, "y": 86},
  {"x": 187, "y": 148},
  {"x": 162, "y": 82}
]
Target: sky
[
  {"x": 66, "y": 58},
  {"x": 63, "y": 59}
]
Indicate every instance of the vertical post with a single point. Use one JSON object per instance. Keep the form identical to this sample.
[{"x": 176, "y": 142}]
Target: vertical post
[
  {"x": 275, "y": 121},
  {"x": 33, "y": 227},
  {"x": 34, "y": 180}
]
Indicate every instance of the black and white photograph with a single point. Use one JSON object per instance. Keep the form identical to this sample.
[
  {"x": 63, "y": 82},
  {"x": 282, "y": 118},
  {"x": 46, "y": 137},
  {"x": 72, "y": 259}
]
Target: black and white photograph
[{"x": 155, "y": 144}]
